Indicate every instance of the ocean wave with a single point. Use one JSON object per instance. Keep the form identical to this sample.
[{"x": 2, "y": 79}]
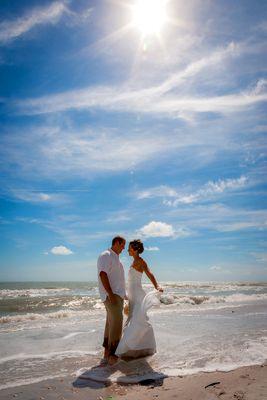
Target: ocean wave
[
  {"x": 31, "y": 317},
  {"x": 253, "y": 352},
  {"x": 215, "y": 286},
  {"x": 52, "y": 290},
  {"x": 57, "y": 315},
  {"x": 197, "y": 300},
  {"x": 73, "y": 308},
  {"x": 47, "y": 304},
  {"x": 54, "y": 355},
  {"x": 179, "y": 300},
  {"x": 40, "y": 292}
]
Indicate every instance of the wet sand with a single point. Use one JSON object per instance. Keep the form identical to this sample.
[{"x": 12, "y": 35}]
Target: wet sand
[{"x": 246, "y": 383}]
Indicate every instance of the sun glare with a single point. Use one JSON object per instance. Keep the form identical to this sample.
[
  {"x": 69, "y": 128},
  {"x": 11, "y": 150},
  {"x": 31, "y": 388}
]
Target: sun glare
[{"x": 149, "y": 16}]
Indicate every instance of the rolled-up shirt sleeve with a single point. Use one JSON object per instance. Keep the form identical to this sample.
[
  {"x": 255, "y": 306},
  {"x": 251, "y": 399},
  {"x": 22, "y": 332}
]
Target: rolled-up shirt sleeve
[{"x": 103, "y": 264}]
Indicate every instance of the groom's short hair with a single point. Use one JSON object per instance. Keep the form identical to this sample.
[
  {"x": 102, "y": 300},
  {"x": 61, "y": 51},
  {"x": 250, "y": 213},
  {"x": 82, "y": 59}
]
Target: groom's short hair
[{"x": 119, "y": 239}]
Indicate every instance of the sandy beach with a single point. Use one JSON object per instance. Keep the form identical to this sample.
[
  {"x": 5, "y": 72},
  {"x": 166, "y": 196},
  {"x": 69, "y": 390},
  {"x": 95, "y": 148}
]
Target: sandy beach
[{"x": 246, "y": 383}]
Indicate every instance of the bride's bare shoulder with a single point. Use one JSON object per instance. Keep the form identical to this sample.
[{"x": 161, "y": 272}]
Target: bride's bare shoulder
[{"x": 141, "y": 263}]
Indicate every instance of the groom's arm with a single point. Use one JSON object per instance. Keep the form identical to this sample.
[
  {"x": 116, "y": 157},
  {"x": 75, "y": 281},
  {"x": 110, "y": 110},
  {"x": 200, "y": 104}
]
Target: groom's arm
[{"x": 105, "y": 281}]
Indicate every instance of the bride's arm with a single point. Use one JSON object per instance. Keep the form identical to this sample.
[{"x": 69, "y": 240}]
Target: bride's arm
[{"x": 150, "y": 276}]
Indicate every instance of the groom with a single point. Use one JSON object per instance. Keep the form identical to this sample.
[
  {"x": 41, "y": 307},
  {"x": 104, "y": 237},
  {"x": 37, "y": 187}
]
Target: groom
[{"x": 111, "y": 283}]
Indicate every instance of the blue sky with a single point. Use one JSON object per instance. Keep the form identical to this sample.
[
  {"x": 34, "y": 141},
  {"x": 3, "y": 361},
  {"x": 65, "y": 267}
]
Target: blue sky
[{"x": 108, "y": 130}]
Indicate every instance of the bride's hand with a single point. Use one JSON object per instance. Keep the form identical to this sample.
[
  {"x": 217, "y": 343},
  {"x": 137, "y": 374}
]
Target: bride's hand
[
  {"x": 159, "y": 288},
  {"x": 126, "y": 309}
]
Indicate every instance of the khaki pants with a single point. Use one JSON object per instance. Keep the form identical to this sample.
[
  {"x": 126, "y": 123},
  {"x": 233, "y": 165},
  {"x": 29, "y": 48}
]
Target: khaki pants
[{"x": 114, "y": 320}]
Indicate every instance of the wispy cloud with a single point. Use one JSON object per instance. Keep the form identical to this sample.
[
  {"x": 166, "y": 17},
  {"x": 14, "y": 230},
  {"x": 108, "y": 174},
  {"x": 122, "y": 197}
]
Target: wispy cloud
[
  {"x": 239, "y": 226},
  {"x": 13, "y": 29},
  {"x": 207, "y": 191},
  {"x": 36, "y": 196},
  {"x": 119, "y": 216},
  {"x": 74, "y": 229},
  {"x": 160, "y": 99},
  {"x": 158, "y": 191},
  {"x": 210, "y": 60},
  {"x": 218, "y": 218},
  {"x": 142, "y": 101},
  {"x": 59, "y": 152}
]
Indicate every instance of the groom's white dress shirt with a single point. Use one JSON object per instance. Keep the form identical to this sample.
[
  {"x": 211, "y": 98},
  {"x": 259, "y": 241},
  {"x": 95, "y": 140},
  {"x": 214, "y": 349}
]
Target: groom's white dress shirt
[{"x": 109, "y": 262}]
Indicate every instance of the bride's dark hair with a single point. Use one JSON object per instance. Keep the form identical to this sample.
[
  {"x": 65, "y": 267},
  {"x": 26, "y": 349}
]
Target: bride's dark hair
[{"x": 137, "y": 245}]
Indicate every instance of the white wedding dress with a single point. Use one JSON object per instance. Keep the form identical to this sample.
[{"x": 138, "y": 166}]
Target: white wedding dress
[{"x": 138, "y": 338}]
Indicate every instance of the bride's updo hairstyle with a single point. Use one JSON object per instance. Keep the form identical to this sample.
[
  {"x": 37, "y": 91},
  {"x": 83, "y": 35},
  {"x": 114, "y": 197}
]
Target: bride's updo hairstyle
[{"x": 137, "y": 245}]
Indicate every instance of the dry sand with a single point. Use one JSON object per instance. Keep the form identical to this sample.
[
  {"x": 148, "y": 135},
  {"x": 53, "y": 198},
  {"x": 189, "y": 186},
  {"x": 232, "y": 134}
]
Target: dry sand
[{"x": 246, "y": 383}]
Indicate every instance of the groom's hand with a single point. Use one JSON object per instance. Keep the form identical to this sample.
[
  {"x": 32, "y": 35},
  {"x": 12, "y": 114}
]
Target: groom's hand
[
  {"x": 112, "y": 298},
  {"x": 106, "y": 284}
]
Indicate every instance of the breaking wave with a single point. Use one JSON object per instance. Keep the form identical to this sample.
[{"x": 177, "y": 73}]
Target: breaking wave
[{"x": 197, "y": 300}]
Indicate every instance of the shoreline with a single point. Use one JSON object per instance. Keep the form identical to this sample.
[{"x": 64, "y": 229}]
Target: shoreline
[{"x": 243, "y": 383}]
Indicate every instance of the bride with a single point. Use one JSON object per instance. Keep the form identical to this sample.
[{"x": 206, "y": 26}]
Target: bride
[{"x": 138, "y": 338}]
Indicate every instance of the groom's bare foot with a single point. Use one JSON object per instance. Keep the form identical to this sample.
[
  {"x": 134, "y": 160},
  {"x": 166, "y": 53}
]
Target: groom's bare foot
[
  {"x": 112, "y": 360},
  {"x": 103, "y": 362}
]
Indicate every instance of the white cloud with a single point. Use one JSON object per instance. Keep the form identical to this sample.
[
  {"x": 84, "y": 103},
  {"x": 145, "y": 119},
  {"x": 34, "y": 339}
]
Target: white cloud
[
  {"x": 61, "y": 251},
  {"x": 152, "y": 248},
  {"x": 11, "y": 30},
  {"x": 157, "y": 229}
]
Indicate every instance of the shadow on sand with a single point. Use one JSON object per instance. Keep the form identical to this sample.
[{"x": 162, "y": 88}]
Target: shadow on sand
[{"x": 123, "y": 372}]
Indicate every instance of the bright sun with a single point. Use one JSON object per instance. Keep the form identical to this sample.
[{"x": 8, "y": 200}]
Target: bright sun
[{"x": 149, "y": 16}]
